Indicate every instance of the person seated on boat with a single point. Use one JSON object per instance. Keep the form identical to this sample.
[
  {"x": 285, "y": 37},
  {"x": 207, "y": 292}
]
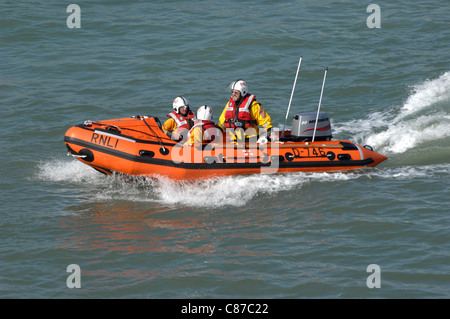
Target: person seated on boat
[
  {"x": 243, "y": 114},
  {"x": 204, "y": 129},
  {"x": 180, "y": 121}
]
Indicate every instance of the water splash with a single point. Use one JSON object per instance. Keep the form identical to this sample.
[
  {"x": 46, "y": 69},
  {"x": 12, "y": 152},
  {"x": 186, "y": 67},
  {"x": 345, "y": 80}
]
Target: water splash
[
  {"x": 59, "y": 170},
  {"x": 424, "y": 117},
  {"x": 210, "y": 193},
  {"x": 427, "y": 94}
]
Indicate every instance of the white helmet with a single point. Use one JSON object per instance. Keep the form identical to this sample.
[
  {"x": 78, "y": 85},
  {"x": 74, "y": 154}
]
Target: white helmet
[
  {"x": 180, "y": 101},
  {"x": 240, "y": 86},
  {"x": 204, "y": 113}
]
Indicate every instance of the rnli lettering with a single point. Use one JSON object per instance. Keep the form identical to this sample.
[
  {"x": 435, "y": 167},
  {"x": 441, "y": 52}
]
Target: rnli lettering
[{"x": 104, "y": 140}]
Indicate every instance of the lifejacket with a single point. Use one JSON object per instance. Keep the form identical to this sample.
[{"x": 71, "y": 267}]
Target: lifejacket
[
  {"x": 242, "y": 118},
  {"x": 210, "y": 130},
  {"x": 183, "y": 122}
]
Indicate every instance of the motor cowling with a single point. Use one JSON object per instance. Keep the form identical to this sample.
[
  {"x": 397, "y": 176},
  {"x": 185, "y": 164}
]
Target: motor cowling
[{"x": 303, "y": 127}]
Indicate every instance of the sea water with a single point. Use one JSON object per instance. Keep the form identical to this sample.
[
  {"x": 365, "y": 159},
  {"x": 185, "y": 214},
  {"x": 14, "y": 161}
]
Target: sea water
[{"x": 301, "y": 235}]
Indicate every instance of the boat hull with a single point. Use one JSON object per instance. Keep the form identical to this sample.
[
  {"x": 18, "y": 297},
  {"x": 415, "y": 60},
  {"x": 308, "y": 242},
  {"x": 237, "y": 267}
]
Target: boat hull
[{"x": 138, "y": 147}]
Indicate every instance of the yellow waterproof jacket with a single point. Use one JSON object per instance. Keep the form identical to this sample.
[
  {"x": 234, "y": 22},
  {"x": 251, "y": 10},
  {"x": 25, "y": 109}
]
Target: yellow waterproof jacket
[
  {"x": 261, "y": 117},
  {"x": 169, "y": 126},
  {"x": 196, "y": 136}
]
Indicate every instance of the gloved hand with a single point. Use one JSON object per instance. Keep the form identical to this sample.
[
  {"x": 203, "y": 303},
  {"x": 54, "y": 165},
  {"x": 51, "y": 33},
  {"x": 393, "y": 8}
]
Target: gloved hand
[{"x": 273, "y": 137}]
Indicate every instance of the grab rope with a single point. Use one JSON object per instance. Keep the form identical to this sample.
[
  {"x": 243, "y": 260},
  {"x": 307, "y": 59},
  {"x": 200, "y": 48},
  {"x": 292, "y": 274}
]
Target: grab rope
[
  {"x": 157, "y": 137},
  {"x": 119, "y": 128}
]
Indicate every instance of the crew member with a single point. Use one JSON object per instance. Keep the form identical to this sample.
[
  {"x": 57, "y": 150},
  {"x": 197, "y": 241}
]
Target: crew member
[
  {"x": 180, "y": 121},
  {"x": 243, "y": 114},
  {"x": 204, "y": 129}
]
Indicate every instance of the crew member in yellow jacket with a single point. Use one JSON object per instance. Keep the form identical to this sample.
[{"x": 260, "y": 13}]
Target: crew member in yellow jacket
[
  {"x": 180, "y": 120},
  {"x": 204, "y": 129},
  {"x": 243, "y": 114}
]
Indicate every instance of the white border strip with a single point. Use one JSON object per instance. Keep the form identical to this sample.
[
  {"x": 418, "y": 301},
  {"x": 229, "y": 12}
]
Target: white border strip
[{"x": 361, "y": 153}]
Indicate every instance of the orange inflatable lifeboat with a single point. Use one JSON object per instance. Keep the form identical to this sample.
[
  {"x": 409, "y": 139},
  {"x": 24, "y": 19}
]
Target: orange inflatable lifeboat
[{"x": 137, "y": 146}]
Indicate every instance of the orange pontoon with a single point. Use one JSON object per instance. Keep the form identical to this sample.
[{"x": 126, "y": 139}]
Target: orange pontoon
[{"x": 137, "y": 146}]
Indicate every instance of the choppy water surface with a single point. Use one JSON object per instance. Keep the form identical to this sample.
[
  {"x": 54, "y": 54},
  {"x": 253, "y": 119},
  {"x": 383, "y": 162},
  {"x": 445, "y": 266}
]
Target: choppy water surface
[{"x": 303, "y": 235}]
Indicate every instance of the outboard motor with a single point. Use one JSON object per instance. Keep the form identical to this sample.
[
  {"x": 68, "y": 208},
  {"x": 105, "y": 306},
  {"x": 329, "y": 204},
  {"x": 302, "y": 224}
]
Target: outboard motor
[{"x": 303, "y": 127}]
